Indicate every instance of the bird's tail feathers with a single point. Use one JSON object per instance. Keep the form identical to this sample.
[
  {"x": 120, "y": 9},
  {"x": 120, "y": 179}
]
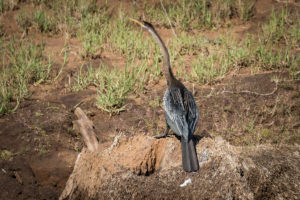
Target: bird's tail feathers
[{"x": 189, "y": 156}]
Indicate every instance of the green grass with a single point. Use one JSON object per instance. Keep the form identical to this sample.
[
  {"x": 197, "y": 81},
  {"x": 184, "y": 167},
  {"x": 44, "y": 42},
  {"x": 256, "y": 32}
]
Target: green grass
[
  {"x": 114, "y": 88},
  {"x": 245, "y": 9},
  {"x": 43, "y": 150},
  {"x": 207, "y": 65},
  {"x": 7, "y": 5},
  {"x": 194, "y": 57},
  {"x": 1, "y": 31},
  {"x": 66, "y": 55},
  {"x": 6, "y": 155},
  {"x": 204, "y": 70},
  {"x": 23, "y": 64},
  {"x": 266, "y": 133},
  {"x": 40, "y": 19},
  {"x": 229, "y": 54},
  {"x": 112, "y": 85},
  {"x": 206, "y": 60},
  {"x": 93, "y": 31},
  {"x": 275, "y": 29},
  {"x": 183, "y": 14},
  {"x": 44, "y": 22},
  {"x": 189, "y": 14},
  {"x": 79, "y": 17},
  {"x": 58, "y": 16},
  {"x": 84, "y": 78},
  {"x": 24, "y": 19},
  {"x": 216, "y": 59}
]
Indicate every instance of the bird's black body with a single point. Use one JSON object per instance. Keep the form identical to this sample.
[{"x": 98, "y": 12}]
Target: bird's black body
[
  {"x": 181, "y": 111},
  {"x": 181, "y": 116}
]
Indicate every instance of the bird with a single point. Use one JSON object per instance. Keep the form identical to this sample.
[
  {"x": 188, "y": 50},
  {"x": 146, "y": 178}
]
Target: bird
[{"x": 181, "y": 111}]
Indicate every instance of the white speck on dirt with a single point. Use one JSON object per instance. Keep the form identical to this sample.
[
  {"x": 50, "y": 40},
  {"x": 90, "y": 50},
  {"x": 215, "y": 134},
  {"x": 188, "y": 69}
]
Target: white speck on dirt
[{"x": 186, "y": 182}]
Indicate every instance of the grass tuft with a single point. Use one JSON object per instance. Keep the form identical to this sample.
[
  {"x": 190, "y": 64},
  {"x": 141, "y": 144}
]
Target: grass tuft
[
  {"x": 44, "y": 22},
  {"x": 6, "y": 155},
  {"x": 113, "y": 90},
  {"x": 23, "y": 64},
  {"x": 112, "y": 85},
  {"x": 24, "y": 20}
]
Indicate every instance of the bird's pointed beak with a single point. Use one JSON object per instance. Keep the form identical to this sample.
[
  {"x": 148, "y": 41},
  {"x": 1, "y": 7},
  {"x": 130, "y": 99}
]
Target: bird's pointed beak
[{"x": 136, "y": 21}]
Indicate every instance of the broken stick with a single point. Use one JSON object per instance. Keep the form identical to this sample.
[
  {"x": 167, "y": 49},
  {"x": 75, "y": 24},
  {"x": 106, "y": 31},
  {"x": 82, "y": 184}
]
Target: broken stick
[{"x": 86, "y": 127}]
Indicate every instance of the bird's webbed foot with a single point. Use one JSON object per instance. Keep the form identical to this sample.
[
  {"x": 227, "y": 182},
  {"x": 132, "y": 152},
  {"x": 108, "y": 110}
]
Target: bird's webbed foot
[{"x": 164, "y": 134}]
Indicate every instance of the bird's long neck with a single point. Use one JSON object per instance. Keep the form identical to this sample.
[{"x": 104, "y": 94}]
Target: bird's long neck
[{"x": 166, "y": 58}]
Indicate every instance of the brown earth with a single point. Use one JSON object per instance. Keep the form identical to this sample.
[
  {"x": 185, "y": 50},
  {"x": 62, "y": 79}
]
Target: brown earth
[
  {"x": 44, "y": 145},
  {"x": 226, "y": 171}
]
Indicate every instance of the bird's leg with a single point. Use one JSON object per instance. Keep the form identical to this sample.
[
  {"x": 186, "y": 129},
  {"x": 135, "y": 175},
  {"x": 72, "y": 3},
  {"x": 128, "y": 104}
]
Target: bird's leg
[{"x": 164, "y": 134}]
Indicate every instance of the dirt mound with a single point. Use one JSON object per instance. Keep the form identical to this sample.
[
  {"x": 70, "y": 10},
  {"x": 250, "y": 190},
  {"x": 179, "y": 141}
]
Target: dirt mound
[{"x": 226, "y": 172}]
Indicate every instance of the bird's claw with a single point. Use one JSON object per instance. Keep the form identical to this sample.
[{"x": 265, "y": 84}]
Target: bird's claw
[{"x": 159, "y": 136}]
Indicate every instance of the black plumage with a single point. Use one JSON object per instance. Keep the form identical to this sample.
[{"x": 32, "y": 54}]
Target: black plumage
[{"x": 181, "y": 111}]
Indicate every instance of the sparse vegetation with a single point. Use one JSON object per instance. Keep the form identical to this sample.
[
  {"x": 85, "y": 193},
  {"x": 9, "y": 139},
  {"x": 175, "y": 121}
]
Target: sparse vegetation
[
  {"x": 190, "y": 14},
  {"x": 93, "y": 31},
  {"x": 96, "y": 31},
  {"x": 7, "y": 5},
  {"x": 44, "y": 22},
  {"x": 43, "y": 150},
  {"x": 1, "y": 31},
  {"x": 23, "y": 64},
  {"x": 112, "y": 86},
  {"x": 113, "y": 90},
  {"x": 24, "y": 20},
  {"x": 5, "y": 154}
]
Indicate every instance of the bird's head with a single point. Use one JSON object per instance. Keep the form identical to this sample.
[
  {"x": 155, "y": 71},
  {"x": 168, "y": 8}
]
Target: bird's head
[{"x": 145, "y": 25}]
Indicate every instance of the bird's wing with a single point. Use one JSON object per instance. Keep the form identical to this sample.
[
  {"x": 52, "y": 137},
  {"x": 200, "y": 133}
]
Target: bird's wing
[
  {"x": 174, "y": 108},
  {"x": 191, "y": 110}
]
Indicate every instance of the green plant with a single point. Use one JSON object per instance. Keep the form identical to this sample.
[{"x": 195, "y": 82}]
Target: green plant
[
  {"x": 5, "y": 155},
  {"x": 121, "y": 39},
  {"x": 186, "y": 14},
  {"x": 24, "y": 20},
  {"x": 38, "y": 2},
  {"x": 245, "y": 9},
  {"x": 85, "y": 78},
  {"x": 295, "y": 34},
  {"x": 266, "y": 58},
  {"x": 43, "y": 150},
  {"x": 44, "y": 22},
  {"x": 205, "y": 70},
  {"x": 7, "y": 5},
  {"x": 93, "y": 30},
  {"x": 112, "y": 85},
  {"x": 113, "y": 89},
  {"x": 154, "y": 103},
  {"x": 275, "y": 29},
  {"x": 189, "y": 14},
  {"x": 266, "y": 133},
  {"x": 226, "y": 56},
  {"x": 1, "y": 6},
  {"x": 1, "y": 31},
  {"x": 23, "y": 64},
  {"x": 63, "y": 65}
]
